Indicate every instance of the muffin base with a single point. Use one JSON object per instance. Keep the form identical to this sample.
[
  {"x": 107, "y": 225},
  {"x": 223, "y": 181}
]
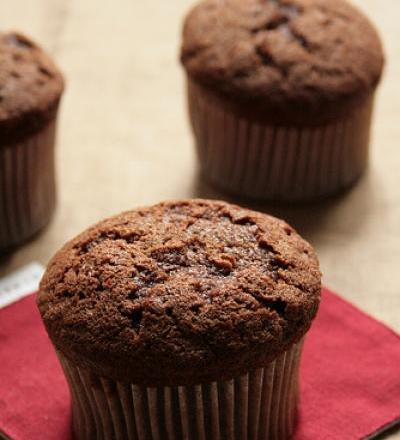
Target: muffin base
[
  {"x": 258, "y": 405},
  {"x": 259, "y": 160},
  {"x": 27, "y": 187}
]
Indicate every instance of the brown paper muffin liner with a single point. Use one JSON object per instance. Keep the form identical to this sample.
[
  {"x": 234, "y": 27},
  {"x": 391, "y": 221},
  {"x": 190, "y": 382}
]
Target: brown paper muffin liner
[
  {"x": 277, "y": 162},
  {"x": 256, "y": 406},
  {"x": 27, "y": 186}
]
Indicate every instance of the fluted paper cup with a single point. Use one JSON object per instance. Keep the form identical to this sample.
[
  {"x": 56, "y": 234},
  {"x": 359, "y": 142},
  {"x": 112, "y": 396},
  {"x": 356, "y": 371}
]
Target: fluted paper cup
[
  {"x": 27, "y": 186},
  {"x": 258, "y": 405},
  {"x": 277, "y": 162}
]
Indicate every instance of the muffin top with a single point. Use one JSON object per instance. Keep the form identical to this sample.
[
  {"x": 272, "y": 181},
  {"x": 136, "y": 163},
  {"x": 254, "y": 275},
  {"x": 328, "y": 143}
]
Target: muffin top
[
  {"x": 30, "y": 87},
  {"x": 181, "y": 292},
  {"x": 299, "y": 60}
]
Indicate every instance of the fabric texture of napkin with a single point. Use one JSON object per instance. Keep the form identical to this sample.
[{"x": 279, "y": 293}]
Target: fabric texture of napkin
[{"x": 350, "y": 376}]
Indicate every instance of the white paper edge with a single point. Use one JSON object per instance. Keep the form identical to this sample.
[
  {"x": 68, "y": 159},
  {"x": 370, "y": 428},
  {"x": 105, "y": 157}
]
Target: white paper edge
[{"x": 20, "y": 283}]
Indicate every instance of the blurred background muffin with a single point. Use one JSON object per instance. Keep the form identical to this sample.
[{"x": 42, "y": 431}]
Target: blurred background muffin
[
  {"x": 281, "y": 94},
  {"x": 30, "y": 92},
  {"x": 182, "y": 320}
]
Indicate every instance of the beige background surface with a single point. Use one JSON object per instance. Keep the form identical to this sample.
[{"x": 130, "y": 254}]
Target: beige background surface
[{"x": 124, "y": 139}]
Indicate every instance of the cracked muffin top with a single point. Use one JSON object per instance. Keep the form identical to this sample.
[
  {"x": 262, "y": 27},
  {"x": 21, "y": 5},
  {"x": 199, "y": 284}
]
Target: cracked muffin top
[
  {"x": 30, "y": 87},
  {"x": 181, "y": 292},
  {"x": 288, "y": 56}
]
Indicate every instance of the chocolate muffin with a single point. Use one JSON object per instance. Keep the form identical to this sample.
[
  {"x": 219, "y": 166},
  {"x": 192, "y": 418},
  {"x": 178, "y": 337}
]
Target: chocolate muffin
[
  {"x": 281, "y": 94},
  {"x": 182, "y": 320},
  {"x": 30, "y": 92}
]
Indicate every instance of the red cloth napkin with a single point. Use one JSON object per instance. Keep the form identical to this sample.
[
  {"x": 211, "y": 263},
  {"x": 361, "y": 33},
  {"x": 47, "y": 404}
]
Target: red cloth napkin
[{"x": 350, "y": 376}]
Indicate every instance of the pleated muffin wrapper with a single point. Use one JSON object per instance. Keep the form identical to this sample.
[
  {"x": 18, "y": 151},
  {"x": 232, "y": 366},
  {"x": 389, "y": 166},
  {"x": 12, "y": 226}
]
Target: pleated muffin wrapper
[
  {"x": 277, "y": 162},
  {"x": 27, "y": 186},
  {"x": 258, "y": 405}
]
